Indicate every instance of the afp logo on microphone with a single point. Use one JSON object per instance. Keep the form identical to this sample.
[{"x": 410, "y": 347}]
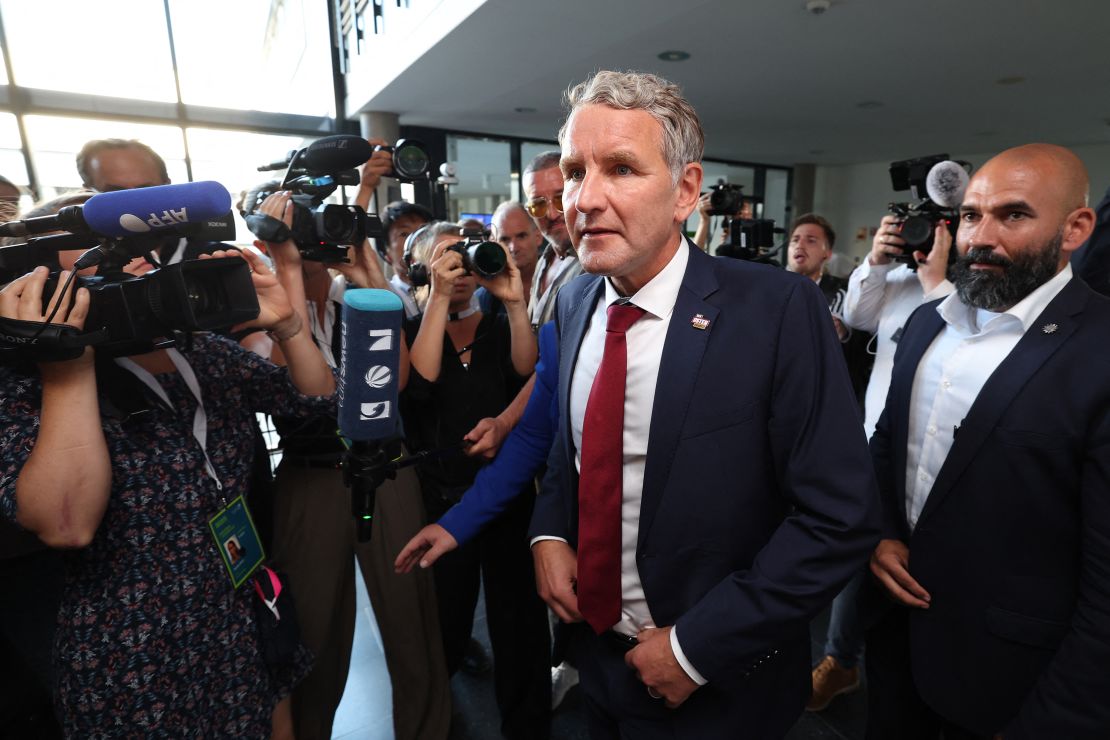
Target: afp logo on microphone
[{"x": 169, "y": 217}]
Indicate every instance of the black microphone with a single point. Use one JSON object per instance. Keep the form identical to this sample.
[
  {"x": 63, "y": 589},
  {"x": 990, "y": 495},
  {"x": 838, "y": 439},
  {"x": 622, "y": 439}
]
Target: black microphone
[
  {"x": 368, "y": 393},
  {"x": 335, "y": 153}
]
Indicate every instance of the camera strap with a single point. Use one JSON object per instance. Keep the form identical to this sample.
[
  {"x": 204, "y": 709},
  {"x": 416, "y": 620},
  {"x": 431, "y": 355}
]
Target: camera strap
[{"x": 200, "y": 417}]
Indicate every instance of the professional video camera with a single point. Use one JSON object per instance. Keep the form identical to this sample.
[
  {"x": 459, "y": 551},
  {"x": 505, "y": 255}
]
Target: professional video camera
[
  {"x": 479, "y": 256},
  {"x": 752, "y": 239},
  {"x": 128, "y": 314},
  {"x": 725, "y": 199},
  {"x": 937, "y": 185},
  {"x": 322, "y": 231}
]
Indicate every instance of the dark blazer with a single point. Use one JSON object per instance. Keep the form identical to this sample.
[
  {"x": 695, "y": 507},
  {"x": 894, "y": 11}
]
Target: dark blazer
[
  {"x": 758, "y": 501},
  {"x": 1013, "y": 543}
]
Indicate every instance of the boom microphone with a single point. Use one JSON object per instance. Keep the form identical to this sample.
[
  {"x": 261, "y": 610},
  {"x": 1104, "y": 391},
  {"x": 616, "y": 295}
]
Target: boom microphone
[
  {"x": 369, "y": 364},
  {"x": 132, "y": 212},
  {"x": 335, "y": 153},
  {"x": 946, "y": 183}
]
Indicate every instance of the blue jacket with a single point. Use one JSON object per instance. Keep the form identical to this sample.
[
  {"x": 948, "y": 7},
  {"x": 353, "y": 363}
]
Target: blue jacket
[{"x": 521, "y": 456}]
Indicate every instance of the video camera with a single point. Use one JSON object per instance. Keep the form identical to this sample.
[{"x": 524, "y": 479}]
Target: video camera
[
  {"x": 479, "y": 255},
  {"x": 128, "y": 314},
  {"x": 752, "y": 239},
  {"x": 937, "y": 185},
  {"x": 322, "y": 231},
  {"x": 725, "y": 199}
]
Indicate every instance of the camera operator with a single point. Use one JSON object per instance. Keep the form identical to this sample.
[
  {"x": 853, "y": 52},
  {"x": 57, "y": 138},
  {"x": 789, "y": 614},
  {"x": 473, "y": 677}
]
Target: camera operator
[
  {"x": 314, "y": 533},
  {"x": 108, "y": 165},
  {"x": 127, "y": 464},
  {"x": 467, "y": 366},
  {"x": 881, "y": 296}
]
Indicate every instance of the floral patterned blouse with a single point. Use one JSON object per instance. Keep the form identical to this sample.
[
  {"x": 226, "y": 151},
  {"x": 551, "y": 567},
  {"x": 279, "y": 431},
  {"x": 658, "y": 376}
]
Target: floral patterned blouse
[{"x": 151, "y": 638}]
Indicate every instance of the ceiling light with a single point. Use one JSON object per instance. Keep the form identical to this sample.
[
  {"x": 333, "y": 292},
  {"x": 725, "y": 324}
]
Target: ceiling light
[
  {"x": 817, "y": 7},
  {"x": 674, "y": 56}
]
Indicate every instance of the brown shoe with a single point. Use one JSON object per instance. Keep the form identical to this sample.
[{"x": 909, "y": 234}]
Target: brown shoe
[{"x": 830, "y": 679}]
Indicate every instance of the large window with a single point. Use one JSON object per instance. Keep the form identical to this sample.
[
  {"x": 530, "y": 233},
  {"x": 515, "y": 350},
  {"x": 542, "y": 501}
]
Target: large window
[
  {"x": 118, "y": 49},
  {"x": 254, "y": 55},
  {"x": 484, "y": 176}
]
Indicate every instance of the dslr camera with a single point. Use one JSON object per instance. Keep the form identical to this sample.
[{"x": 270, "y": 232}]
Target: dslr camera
[
  {"x": 410, "y": 160},
  {"x": 479, "y": 256},
  {"x": 919, "y": 218}
]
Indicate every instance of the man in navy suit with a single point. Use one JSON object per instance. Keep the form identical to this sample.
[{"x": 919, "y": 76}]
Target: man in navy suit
[
  {"x": 993, "y": 459},
  {"x": 709, "y": 488}
]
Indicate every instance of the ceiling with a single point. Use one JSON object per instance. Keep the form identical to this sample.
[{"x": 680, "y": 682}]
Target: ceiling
[{"x": 775, "y": 84}]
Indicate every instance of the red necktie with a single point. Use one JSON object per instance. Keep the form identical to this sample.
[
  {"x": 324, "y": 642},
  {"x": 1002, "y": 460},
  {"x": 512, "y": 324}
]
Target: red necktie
[{"x": 600, "y": 486}]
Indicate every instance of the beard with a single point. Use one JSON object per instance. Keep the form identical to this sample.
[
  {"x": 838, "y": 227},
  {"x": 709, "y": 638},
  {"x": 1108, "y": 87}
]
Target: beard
[{"x": 1020, "y": 276}]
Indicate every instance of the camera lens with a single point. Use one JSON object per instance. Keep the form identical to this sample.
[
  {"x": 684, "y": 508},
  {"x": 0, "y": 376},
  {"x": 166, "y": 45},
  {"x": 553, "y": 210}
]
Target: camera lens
[
  {"x": 917, "y": 230},
  {"x": 410, "y": 161},
  {"x": 488, "y": 258}
]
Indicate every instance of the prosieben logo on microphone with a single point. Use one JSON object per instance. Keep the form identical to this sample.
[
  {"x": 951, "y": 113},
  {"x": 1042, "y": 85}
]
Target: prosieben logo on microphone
[{"x": 137, "y": 225}]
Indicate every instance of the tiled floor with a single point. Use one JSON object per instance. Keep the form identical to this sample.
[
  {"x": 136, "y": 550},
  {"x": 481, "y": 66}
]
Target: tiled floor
[{"x": 365, "y": 713}]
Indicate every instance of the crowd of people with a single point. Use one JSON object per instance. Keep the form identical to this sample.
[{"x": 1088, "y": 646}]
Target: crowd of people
[{"x": 653, "y": 460}]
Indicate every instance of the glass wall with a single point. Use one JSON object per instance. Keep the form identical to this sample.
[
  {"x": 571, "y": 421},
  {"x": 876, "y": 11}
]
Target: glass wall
[{"x": 484, "y": 172}]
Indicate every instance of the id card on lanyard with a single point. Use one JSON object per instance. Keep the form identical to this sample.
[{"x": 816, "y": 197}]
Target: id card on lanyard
[{"x": 232, "y": 528}]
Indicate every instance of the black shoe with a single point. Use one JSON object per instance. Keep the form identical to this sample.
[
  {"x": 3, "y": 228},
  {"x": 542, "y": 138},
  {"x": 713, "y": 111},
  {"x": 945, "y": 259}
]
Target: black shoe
[{"x": 475, "y": 661}]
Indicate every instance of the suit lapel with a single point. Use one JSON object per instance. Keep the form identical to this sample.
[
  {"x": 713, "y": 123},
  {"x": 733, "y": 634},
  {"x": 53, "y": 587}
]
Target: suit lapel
[
  {"x": 1049, "y": 331},
  {"x": 678, "y": 370},
  {"x": 909, "y": 357},
  {"x": 570, "y": 344}
]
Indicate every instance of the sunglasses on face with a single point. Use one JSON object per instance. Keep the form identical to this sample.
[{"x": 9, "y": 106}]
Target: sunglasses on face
[{"x": 540, "y": 207}]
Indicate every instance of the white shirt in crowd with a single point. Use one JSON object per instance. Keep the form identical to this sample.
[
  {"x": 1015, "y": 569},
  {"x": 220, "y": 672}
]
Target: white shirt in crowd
[{"x": 879, "y": 300}]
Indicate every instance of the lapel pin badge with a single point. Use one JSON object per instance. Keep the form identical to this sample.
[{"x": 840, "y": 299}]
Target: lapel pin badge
[
  {"x": 1049, "y": 328},
  {"x": 699, "y": 322}
]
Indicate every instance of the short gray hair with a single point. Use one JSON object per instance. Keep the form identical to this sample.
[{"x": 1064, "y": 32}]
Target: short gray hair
[
  {"x": 683, "y": 139},
  {"x": 427, "y": 236}
]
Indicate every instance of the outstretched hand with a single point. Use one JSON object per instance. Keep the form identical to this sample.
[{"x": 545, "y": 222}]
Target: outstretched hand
[{"x": 426, "y": 547}]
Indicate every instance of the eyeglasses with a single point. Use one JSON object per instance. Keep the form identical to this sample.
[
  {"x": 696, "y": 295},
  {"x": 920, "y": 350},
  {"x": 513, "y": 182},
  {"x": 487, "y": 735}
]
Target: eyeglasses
[{"x": 538, "y": 207}]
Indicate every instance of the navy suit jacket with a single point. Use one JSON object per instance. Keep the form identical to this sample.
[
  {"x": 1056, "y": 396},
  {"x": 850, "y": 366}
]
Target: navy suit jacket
[
  {"x": 759, "y": 501},
  {"x": 1013, "y": 543}
]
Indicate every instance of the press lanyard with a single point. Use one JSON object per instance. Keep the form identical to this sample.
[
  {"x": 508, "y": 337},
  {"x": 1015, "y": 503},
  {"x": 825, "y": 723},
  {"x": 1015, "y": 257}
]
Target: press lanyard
[{"x": 200, "y": 418}]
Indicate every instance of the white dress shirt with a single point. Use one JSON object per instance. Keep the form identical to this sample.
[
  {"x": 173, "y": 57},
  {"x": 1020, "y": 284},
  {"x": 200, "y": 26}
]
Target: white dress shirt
[
  {"x": 953, "y": 371},
  {"x": 879, "y": 300},
  {"x": 645, "y": 341}
]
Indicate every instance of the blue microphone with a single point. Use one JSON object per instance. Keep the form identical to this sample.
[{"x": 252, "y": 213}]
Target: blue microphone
[
  {"x": 368, "y": 389},
  {"x": 368, "y": 365},
  {"x": 133, "y": 212}
]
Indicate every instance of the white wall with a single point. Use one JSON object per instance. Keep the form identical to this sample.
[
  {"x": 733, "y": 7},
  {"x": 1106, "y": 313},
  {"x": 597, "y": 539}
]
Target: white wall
[{"x": 854, "y": 197}]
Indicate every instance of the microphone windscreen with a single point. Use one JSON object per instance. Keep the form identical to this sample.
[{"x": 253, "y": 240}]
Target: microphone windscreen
[
  {"x": 946, "y": 183},
  {"x": 368, "y": 365},
  {"x": 142, "y": 210},
  {"x": 335, "y": 153}
]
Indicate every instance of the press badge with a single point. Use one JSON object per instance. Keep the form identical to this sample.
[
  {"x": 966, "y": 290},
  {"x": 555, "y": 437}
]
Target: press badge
[{"x": 237, "y": 540}]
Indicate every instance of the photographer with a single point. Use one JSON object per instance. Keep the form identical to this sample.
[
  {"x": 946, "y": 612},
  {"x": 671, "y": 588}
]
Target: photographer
[
  {"x": 314, "y": 532},
  {"x": 467, "y": 366},
  {"x": 129, "y": 463}
]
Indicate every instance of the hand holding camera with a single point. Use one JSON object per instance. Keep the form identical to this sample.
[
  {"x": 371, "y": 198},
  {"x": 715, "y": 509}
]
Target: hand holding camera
[
  {"x": 506, "y": 285},
  {"x": 888, "y": 242},
  {"x": 447, "y": 267}
]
